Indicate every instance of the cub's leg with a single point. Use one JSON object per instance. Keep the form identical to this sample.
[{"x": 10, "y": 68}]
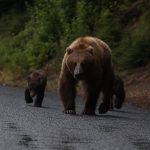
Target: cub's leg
[
  {"x": 28, "y": 98},
  {"x": 119, "y": 99},
  {"x": 39, "y": 99}
]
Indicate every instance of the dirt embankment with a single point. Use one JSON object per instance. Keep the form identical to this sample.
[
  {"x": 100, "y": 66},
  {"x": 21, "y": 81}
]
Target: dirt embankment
[
  {"x": 19, "y": 81},
  {"x": 137, "y": 85}
]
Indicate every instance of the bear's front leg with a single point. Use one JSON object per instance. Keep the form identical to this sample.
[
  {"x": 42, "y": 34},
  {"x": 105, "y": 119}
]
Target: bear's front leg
[
  {"x": 107, "y": 92},
  {"x": 92, "y": 94},
  {"x": 28, "y": 98},
  {"x": 67, "y": 92},
  {"x": 39, "y": 99}
]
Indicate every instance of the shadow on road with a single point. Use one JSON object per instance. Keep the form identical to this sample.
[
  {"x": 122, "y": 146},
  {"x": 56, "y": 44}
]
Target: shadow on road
[
  {"x": 125, "y": 112},
  {"x": 113, "y": 117},
  {"x": 43, "y": 107},
  {"x": 26, "y": 141}
]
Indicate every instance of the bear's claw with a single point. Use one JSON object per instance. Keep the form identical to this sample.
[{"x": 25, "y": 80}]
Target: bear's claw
[
  {"x": 88, "y": 113},
  {"x": 72, "y": 112}
]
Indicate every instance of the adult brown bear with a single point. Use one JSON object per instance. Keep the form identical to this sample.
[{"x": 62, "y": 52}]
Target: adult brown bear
[
  {"x": 87, "y": 59},
  {"x": 36, "y": 87}
]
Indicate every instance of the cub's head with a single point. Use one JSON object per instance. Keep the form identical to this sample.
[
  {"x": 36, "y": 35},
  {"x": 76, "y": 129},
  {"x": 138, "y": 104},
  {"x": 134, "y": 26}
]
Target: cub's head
[
  {"x": 80, "y": 60},
  {"x": 35, "y": 83}
]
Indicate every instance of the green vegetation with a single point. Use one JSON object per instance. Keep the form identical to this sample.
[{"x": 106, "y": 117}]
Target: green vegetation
[{"x": 33, "y": 33}]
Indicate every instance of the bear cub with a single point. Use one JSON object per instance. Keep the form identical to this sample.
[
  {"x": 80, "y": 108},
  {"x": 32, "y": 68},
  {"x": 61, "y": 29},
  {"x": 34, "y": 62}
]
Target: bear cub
[
  {"x": 118, "y": 93},
  {"x": 36, "y": 84}
]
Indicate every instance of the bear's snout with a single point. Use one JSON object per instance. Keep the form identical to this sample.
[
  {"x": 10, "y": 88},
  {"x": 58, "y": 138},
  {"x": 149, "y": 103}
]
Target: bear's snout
[{"x": 78, "y": 71}]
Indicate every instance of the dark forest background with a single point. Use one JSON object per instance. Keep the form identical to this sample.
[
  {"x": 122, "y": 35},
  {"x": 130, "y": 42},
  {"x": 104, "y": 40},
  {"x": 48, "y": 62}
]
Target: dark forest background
[{"x": 36, "y": 32}]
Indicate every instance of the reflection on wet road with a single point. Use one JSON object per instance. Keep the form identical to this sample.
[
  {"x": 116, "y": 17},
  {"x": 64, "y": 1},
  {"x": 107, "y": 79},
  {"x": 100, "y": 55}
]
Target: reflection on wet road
[{"x": 24, "y": 127}]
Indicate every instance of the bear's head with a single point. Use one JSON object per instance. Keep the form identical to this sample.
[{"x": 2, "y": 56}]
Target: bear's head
[
  {"x": 80, "y": 60},
  {"x": 35, "y": 82}
]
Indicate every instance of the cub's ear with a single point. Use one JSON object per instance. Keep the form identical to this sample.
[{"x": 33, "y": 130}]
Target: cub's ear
[
  {"x": 90, "y": 49},
  {"x": 69, "y": 50}
]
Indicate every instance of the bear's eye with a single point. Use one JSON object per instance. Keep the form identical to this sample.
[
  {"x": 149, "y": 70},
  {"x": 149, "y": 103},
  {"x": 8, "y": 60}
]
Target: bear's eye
[{"x": 69, "y": 50}]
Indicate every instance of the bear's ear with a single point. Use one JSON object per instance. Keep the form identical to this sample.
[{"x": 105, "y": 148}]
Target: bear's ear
[
  {"x": 90, "y": 49},
  {"x": 68, "y": 50}
]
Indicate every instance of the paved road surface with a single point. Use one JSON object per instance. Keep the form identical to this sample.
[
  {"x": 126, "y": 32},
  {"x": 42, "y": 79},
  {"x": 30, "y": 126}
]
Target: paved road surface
[{"x": 23, "y": 127}]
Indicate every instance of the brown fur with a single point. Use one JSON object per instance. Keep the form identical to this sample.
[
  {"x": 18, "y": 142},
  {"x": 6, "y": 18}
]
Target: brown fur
[
  {"x": 36, "y": 87},
  {"x": 87, "y": 59}
]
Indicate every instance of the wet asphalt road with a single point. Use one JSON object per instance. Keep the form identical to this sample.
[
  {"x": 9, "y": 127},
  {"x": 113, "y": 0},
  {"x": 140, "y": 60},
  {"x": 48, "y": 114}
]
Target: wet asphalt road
[{"x": 23, "y": 127}]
